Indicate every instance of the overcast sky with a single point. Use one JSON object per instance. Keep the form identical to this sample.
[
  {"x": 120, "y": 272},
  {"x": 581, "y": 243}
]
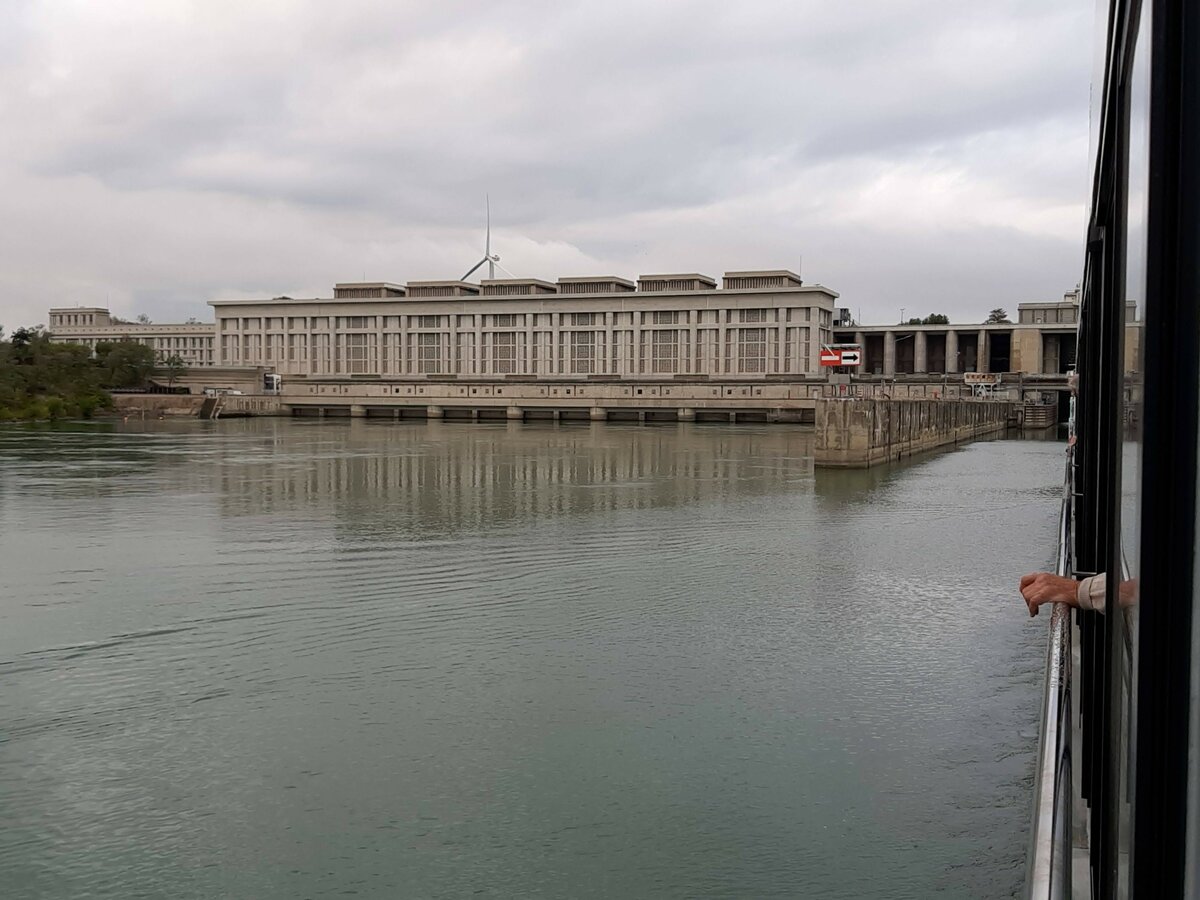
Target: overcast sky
[{"x": 157, "y": 154}]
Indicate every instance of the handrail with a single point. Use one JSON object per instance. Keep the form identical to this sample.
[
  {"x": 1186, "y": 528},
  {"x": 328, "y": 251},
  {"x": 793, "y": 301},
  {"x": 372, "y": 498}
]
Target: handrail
[{"x": 1050, "y": 847}]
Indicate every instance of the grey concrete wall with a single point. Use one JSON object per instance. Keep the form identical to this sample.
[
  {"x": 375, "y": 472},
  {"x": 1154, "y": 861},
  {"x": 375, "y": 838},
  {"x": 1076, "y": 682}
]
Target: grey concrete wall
[
  {"x": 152, "y": 406},
  {"x": 863, "y": 433}
]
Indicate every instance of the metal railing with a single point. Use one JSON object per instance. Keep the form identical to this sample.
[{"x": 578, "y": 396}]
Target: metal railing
[{"x": 1051, "y": 846}]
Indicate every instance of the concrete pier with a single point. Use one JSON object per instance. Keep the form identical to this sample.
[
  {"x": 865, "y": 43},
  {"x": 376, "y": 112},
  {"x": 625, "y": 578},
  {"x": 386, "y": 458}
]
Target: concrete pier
[{"x": 860, "y": 433}]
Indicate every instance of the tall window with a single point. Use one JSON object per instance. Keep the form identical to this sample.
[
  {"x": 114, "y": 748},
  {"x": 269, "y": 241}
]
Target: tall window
[
  {"x": 752, "y": 349},
  {"x": 665, "y": 351},
  {"x": 504, "y": 352},
  {"x": 429, "y": 355},
  {"x": 356, "y": 353},
  {"x": 583, "y": 352},
  {"x": 752, "y": 315}
]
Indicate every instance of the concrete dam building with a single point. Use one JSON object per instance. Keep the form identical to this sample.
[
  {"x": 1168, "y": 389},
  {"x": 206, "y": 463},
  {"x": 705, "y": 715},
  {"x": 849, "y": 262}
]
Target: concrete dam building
[
  {"x": 764, "y": 326},
  {"x": 756, "y": 324}
]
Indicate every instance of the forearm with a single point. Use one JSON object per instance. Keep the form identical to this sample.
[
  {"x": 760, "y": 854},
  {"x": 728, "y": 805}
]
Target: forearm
[{"x": 1092, "y": 593}]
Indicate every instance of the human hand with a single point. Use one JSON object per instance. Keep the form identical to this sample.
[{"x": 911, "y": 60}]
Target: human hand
[{"x": 1045, "y": 587}]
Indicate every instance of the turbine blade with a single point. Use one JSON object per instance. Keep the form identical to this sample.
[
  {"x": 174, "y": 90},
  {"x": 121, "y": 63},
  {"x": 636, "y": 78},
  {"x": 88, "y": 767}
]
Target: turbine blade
[{"x": 471, "y": 271}]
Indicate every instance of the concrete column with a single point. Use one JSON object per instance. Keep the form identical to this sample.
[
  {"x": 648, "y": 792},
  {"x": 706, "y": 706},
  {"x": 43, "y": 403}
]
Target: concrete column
[
  {"x": 860, "y": 339},
  {"x": 515, "y": 412},
  {"x": 981, "y": 352},
  {"x": 687, "y": 415},
  {"x": 433, "y": 412},
  {"x": 598, "y": 414},
  {"x": 951, "y": 352},
  {"x": 889, "y": 353},
  {"x": 920, "y": 352},
  {"x": 358, "y": 411}
]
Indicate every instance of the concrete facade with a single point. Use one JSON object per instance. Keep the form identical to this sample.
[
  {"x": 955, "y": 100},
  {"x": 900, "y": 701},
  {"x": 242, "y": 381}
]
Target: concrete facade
[
  {"x": 757, "y": 324},
  {"x": 193, "y": 343},
  {"x": 1042, "y": 341}
]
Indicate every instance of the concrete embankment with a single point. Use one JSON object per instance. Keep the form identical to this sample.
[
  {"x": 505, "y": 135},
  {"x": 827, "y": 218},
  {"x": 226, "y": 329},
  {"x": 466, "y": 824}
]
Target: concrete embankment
[
  {"x": 151, "y": 406},
  {"x": 861, "y": 433}
]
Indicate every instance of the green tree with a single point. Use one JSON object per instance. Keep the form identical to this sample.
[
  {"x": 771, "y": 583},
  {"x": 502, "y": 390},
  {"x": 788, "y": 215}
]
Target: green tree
[
  {"x": 997, "y": 316},
  {"x": 24, "y": 342},
  {"x": 936, "y": 319},
  {"x": 124, "y": 364},
  {"x": 143, "y": 319},
  {"x": 40, "y": 379},
  {"x": 175, "y": 368}
]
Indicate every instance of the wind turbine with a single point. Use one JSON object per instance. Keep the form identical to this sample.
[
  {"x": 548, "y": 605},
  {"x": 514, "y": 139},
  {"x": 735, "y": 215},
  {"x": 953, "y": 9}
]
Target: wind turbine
[{"x": 492, "y": 259}]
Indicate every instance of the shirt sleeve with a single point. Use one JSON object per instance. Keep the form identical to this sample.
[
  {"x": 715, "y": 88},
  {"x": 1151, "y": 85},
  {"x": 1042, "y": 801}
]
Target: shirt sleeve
[{"x": 1090, "y": 593}]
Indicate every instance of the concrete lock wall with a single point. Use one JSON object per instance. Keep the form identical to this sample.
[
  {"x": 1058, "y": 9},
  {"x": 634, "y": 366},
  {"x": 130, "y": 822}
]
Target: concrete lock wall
[
  {"x": 155, "y": 405},
  {"x": 861, "y": 433}
]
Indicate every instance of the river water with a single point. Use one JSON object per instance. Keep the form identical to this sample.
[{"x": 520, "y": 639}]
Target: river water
[{"x": 282, "y": 659}]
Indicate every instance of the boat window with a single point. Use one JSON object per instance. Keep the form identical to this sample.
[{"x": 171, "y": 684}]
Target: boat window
[{"x": 1133, "y": 315}]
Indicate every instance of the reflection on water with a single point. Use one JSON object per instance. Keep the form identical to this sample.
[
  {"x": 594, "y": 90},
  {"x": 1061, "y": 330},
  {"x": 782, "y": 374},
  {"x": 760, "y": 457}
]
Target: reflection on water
[{"x": 274, "y": 659}]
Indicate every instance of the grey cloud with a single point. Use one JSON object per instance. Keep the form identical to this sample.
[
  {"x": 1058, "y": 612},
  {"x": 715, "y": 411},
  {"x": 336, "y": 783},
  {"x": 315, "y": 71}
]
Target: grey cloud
[{"x": 625, "y": 135}]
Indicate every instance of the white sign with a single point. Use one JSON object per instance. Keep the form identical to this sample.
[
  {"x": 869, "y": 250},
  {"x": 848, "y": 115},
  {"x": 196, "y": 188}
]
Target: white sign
[
  {"x": 851, "y": 358},
  {"x": 981, "y": 378}
]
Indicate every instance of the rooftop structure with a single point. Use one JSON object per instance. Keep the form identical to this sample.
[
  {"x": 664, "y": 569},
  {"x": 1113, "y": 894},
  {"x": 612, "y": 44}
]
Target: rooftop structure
[
  {"x": 361, "y": 290},
  {"x": 515, "y": 287},
  {"x": 773, "y": 278},
  {"x": 595, "y": 284},
  {"x": 689, "y": 282},
  {"x": 442, "y": 289}
]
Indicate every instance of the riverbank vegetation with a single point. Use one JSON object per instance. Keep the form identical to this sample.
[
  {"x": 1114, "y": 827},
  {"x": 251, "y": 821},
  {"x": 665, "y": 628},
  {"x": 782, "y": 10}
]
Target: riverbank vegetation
[{"x": 44, "y": 380}]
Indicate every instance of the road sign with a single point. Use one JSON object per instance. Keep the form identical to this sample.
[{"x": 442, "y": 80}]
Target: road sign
[{"x": 841, "y": 355}]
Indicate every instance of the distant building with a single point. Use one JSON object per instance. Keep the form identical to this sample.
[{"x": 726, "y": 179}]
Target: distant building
[
  {"x": 1059, "y": 312},
  {"x": 1041, "y": 342},
  {"x": 193, "y": 343}
]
